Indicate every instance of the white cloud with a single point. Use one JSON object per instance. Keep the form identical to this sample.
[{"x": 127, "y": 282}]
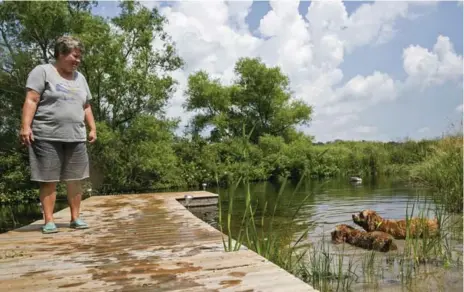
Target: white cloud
[
  {"x": 426, "y": 3},
  {"x": 151, "y": 4},
  {"x": 345, "y": 119},
  {"x": 369, "y": 24},
  {"x": 205, "y": 41},
  {"x": 365, "y": 129},
  {"x": 427, "y": 68},
  {"x": 423, "y": 130},
  {"x": 212, "y": 35},
  {"x": 459, "y": 108},
  {"x": 374, "y": 23},
  {"x": 362, "y": 132},
  {"x": 238, "y": 11},
  {"x": 357, "y": 94},
  {"x": 376, "y": 87}
]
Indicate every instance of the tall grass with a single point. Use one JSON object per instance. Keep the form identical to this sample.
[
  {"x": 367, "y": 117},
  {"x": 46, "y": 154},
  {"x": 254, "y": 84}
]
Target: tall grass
[
  {"x": 433, "y": 248},
  {"x": 262, "y": 231},
  {"x": 421, "y": 253},
  {"x": 315, "y": 265},
  {"x": 326, "y": 270},
  {"x": 442, "y": 170},
  {"x": 267, "y": 240}
]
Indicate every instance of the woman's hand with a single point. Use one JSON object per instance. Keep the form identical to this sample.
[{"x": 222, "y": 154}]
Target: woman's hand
[
  {"x": 90, "y": 122},
  {"x": 92, "y": 136},
  {"x": 29, "y": 108},
  {"x": 26, "y": 136}
]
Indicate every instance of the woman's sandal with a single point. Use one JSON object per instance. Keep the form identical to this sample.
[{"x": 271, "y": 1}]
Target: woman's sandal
[
  {"x": 78, "y": 224},
  {"x": 50, "y": 227}
]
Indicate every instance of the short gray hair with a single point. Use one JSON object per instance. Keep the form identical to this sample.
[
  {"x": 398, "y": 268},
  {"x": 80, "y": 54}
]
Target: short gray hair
[{"x": 65, "y": 44}]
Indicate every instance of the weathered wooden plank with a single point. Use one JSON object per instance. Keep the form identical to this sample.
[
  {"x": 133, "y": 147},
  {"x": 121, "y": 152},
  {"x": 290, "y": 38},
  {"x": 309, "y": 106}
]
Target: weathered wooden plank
[{"x": 147, "y": 242}]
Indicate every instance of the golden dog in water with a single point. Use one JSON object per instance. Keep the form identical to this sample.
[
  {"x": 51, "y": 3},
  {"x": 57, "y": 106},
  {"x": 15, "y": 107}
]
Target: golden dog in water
[
  {"x": 370, "y": 221},
  {"x": 377, "y": 240}
]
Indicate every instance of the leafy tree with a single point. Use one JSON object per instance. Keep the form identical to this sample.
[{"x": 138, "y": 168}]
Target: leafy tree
[
  {"x": 27, "y": 31},
  {"x": 259, "y": 100},
  {"x": 140, "y": 159},
  {"x": 252, "y": 122},
  {"x": 127, "y": 76}
]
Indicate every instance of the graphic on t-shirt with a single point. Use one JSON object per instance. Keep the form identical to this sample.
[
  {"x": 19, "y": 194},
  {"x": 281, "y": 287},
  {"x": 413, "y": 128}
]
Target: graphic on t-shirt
[{"x": 71, "y": 92}]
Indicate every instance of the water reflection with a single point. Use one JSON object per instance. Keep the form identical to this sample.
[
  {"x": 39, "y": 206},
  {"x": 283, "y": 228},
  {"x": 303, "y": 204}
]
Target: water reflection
[{"x": 333, "y": 202}]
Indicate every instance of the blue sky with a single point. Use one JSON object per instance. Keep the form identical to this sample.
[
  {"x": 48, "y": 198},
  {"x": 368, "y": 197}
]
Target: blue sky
[
  {"x": 435, "y": 108},
  {"x": 339, "y": 60}
]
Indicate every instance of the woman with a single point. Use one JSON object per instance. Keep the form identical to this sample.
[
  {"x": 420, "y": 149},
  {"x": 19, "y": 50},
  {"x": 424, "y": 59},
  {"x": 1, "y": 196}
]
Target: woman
[{"x": 54, "y": 111}]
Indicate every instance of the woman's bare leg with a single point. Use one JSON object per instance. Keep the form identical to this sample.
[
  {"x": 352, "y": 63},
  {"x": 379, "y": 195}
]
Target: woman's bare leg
[
  {"x": 48, "y": 198},
  {"x": 74, "y": 189}
]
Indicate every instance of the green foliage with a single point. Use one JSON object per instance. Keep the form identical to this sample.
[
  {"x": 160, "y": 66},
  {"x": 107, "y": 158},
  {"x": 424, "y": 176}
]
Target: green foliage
[
  {"x": 259, "y": 100},
  {"x": 261, "y": 229},
  {"x": 250, "y": 125},
  {"x": 128, "y": 80},
  {"x": 132, "y": 81},
  {"x": 139, "y": 159},
  {"x": 443, "y": 171}
]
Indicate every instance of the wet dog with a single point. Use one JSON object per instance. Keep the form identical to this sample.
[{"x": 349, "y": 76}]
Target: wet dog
[
  {"x": 377, "y": 240},
  {"x": 370, "y": 221}
]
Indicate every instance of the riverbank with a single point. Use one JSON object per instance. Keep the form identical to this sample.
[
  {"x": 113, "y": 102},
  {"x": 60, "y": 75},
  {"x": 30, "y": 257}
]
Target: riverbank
[{"x": 435, "y": 164}]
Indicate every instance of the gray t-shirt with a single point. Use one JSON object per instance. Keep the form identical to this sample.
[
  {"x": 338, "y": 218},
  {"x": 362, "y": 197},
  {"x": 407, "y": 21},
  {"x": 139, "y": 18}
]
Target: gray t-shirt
[{"x": 60, "y": 111}]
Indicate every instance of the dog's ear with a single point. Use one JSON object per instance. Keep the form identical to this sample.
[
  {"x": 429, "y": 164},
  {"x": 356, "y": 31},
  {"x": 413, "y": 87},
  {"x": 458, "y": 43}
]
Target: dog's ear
[
  {"x": 339, "y": 234},
  {"x": 336, "y": 238},
  {"x": 372, "y": 223}
]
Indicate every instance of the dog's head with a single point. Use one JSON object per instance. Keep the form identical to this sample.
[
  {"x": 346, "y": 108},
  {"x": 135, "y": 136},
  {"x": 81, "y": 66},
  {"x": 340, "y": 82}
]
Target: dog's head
[
  {"x": 340, "y": 233},
  {"x": 367, "y": 219}
]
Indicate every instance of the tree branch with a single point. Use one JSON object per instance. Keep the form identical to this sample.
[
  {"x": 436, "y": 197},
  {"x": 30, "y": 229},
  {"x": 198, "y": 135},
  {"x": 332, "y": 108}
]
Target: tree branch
[
  {"x": 5, "y": 40},
  {"x": 43, "y": 46},
  {"x": 128, "y": 118},
  {"x": 131, "y": 47}
]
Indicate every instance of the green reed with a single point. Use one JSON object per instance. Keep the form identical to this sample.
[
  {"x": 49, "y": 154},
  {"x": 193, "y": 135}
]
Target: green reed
[
  {"x": 368, "y": 265},
  {"x": 442, "y": 171},
  {"x": 436, "y": 248},
  {"x": 270, "y": 242},
  {"x": 427, "y": 249},
  {"x": 260, "y": 231},
  {"x": 326, "y": 270},
  {"x": 267, "y": 241}
]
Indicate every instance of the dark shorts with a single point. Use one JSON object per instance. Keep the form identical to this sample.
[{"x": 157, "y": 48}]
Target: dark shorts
[{"x": 52, "y": 161}]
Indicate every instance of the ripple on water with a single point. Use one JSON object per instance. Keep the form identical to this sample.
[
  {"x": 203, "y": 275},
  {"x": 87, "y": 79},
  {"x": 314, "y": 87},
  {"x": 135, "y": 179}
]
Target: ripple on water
[{"x": 323, "y": 210}]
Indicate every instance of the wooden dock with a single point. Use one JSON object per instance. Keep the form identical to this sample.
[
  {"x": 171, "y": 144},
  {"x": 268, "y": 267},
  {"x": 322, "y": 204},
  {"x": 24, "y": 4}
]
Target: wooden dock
[{"x": 148, "y": 242}]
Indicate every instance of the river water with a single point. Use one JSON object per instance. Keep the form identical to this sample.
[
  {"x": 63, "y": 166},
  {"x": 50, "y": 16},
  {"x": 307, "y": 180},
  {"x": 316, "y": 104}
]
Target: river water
[
  {"x": 321, "y": 206},
  {"x": 324, "y": 204}
]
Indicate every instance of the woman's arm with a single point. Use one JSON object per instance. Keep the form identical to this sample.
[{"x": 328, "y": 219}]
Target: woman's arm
[
  {"x": 29, "y": 108},
  {"x": 90, "y": 122},
  {"x": 35, "y": 85}
]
